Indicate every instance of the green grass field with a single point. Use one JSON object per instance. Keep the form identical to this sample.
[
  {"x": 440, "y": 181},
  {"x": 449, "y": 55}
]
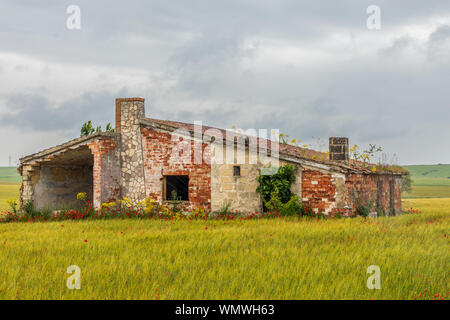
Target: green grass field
[
  {"x": 267, "y": 259},
  {"x": 9, "y": 185},
  {"x": 9, "y": 175},
  {"x": 429, "y": 181},
  {"x": 430, "y": 171}
]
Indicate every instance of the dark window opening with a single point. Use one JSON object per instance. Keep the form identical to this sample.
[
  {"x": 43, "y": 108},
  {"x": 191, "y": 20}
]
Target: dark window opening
[
  {"x": 236, "y": 171},
  {"x": 177, "y": 188}
]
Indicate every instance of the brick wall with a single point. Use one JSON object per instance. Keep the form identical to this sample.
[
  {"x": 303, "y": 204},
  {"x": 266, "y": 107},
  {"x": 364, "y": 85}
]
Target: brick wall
[
  {"x": 158, "y": 162},
  {"x": 325, "y": 193},
  {"x": 318, "y": 191},
  {"x": 106, "y": 170},
  {"x": 375, "y": 189},
  {"x": 361, "y": 188}
]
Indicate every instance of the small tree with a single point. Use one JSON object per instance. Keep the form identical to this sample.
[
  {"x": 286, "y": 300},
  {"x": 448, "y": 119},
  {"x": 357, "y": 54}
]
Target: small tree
[
  {"x": 109, "y": 128},
  {"x": 88, "y": 129}
]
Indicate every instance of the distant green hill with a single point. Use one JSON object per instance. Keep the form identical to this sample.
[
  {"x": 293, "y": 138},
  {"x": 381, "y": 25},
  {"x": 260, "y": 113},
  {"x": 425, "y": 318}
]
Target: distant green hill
[
  {"x": 429, "y": 181},
  {"x": 9, "y": 175},
  {"x": 430, "y": 171}
]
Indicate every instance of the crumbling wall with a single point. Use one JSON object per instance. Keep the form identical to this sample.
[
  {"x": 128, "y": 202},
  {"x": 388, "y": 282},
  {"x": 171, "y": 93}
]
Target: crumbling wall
[
  {"x": 335, "y": 193},
  {"x": 29, "y": 179},
  {"x": 383, "y": 191},
  {"x": 106, "y": 171},
  {"x": 319, "y": 190},
  {"x": 158, "y": 148}
]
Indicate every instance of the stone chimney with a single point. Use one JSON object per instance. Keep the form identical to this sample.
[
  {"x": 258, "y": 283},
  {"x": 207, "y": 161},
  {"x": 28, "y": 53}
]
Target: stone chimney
[
  {"x": 128, "y": 113},
  {"x": 338, "y": 149}
]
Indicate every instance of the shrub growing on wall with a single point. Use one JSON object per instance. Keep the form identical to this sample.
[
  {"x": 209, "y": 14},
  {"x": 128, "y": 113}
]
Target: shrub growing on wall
[
  {"x": 275, "y": 190},
  {"x": 282, "y": 180}
]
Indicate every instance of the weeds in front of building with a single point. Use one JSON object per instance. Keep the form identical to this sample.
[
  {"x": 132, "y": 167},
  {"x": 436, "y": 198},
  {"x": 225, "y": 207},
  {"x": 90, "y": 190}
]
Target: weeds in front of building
[{"x": 151, "y": 209}]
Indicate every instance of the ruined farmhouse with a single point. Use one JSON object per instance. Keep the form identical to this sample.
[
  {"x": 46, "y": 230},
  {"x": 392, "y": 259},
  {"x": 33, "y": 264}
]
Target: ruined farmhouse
[{"x": 143, "y": 158}]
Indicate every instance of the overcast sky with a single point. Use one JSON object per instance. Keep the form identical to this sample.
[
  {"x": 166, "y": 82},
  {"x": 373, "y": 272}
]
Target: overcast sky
[{"x": 308, "y": 68}]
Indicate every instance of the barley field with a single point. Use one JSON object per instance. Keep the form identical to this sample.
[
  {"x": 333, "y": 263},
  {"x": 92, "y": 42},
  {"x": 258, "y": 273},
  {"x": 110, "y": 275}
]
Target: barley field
[
  {"x": 7, "y": 191},
  {"x": 265, "y": 259}
]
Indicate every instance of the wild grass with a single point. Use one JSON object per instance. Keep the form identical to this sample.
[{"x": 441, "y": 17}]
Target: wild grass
[
  {"x": 265, "y": 259},
  {"x": 427, "y": 191},
  {"x": 8, "y": 191}
]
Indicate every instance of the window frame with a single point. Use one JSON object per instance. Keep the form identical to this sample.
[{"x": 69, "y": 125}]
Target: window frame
[{"x": 164, "y": 186}]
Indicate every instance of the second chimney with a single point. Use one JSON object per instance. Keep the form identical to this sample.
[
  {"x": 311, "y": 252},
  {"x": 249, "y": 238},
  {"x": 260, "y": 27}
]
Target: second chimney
[{"x": 338, "y": 149}]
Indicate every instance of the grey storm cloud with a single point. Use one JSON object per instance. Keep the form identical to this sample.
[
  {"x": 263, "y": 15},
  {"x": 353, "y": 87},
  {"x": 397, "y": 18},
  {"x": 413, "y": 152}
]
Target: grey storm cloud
[
  {"x": 35, "y": 112},
  {"x": 308, "y": 68}
]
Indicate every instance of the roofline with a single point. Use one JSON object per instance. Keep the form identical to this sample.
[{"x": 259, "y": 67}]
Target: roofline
[
  {"x": 325, "y": 164},
  {"x": 70, "y": 143},
  {"x": 321, "y": 164}
]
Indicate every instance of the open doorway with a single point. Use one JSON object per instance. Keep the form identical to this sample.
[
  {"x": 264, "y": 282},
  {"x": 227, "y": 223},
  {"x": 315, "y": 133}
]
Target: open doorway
[{"x": 60, "y": 179}]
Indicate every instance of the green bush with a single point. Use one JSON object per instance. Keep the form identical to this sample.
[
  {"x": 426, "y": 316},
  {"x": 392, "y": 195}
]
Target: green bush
[
  {"x": 282, "y": 180},
  {"x": 292, "y": 207}
]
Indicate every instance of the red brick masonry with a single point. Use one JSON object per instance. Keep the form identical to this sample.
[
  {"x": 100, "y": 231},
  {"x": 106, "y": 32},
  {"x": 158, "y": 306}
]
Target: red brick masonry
[{"x": 158, "y": 148}]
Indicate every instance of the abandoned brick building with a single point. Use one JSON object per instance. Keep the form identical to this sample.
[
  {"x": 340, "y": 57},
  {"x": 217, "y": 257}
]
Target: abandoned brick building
[{"x": 135, "y": 162}]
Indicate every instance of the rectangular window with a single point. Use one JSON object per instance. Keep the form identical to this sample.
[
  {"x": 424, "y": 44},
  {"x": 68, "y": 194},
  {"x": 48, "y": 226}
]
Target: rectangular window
[
  {"x": 236, "y": 171},
  {"x": 177, "y": 188}
]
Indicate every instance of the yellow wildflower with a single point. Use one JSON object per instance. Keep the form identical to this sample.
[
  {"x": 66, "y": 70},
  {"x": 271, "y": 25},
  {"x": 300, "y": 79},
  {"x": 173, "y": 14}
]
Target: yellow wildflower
[{"x": 82, "y": 196}]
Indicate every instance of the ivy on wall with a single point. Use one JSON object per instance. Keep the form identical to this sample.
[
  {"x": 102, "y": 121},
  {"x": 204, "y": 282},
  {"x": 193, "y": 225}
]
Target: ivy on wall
[{"x": 279, "y": 182}]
